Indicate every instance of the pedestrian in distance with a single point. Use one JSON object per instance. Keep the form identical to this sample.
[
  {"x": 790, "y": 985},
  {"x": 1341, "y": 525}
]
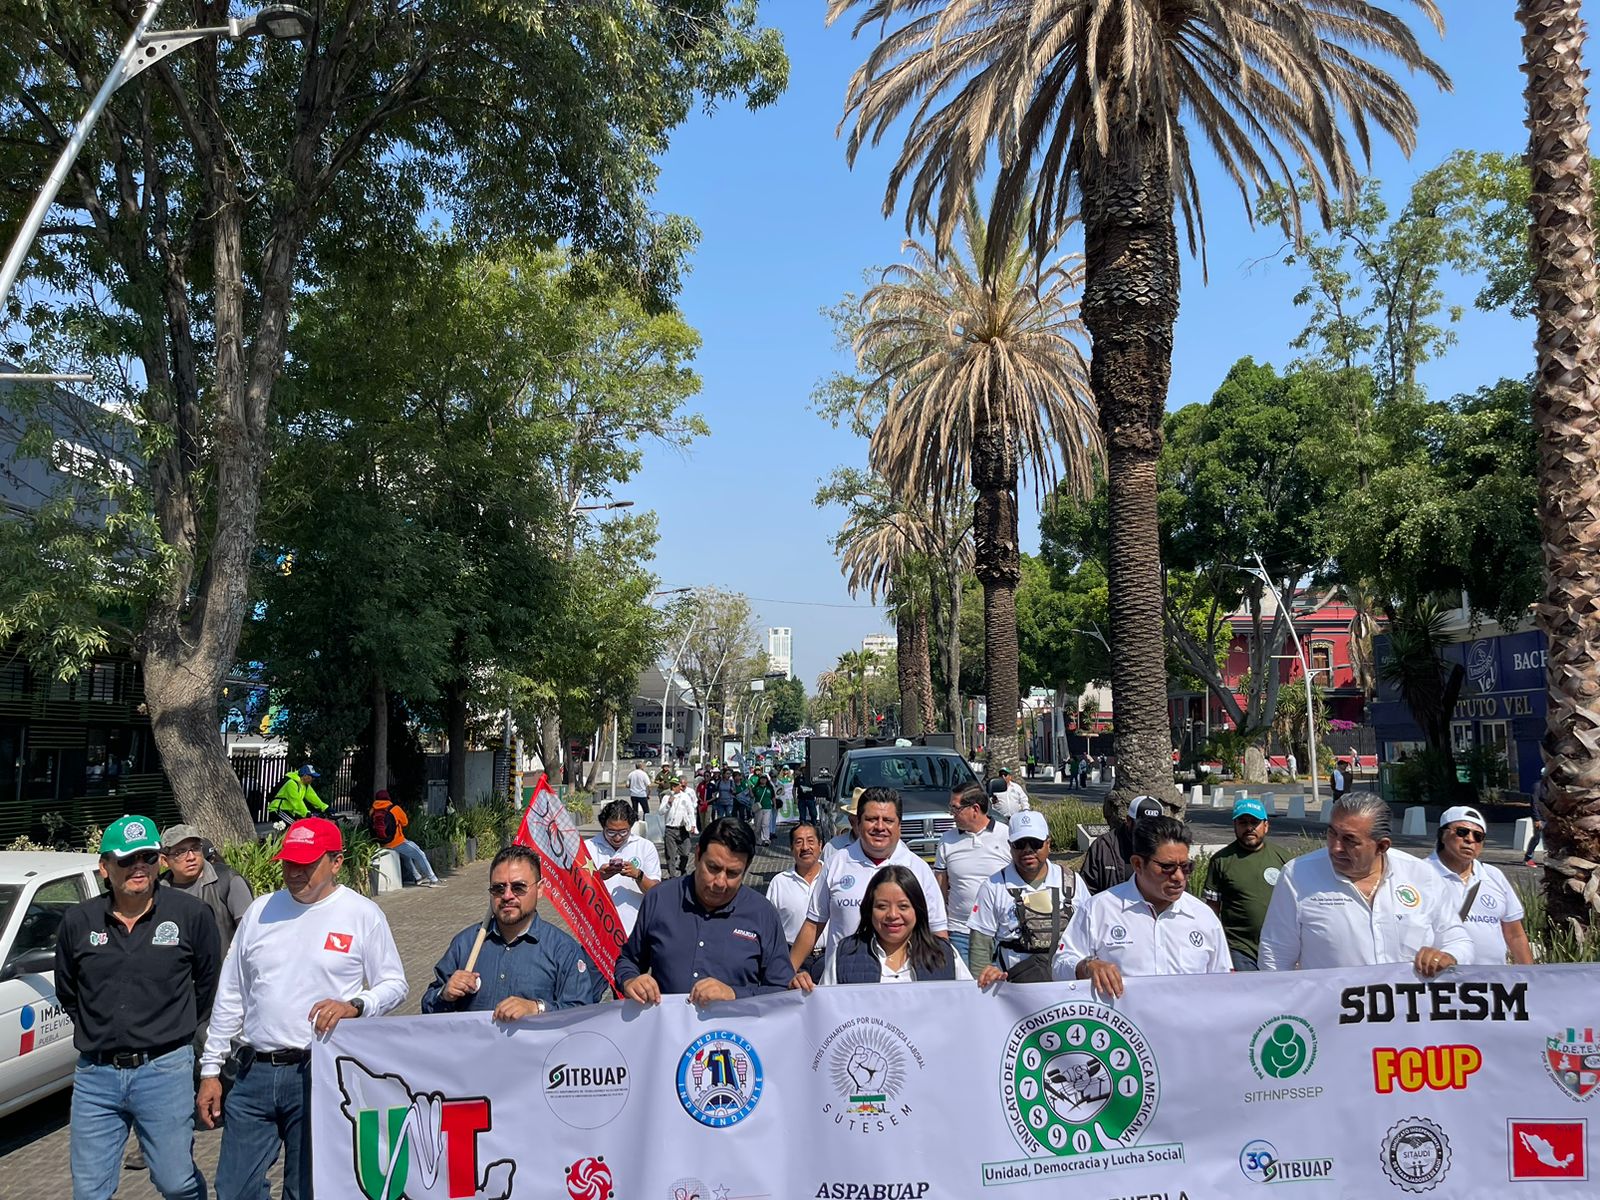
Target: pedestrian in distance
[
  {"x": 723, "y": 806},
  {"x": 707, "y": 936},
  {"x": 639, "y": 790},
  {"x": 1539, "y": 790},
  {"x": 968, "y": 854},
  {"x": 296, "y": 797},
  {"x": 1022, "y": 911},
  {"x": 892, "y": 942},
  {"x": 1149, "y": 925},
  {"x": 784, "y": 785},
  {"x": 1338, "y": 779},
  {"x": 629, "y": 865},
  {"x": 790, "y": 891},
  {"x": 1480, "y": 892},
  {"x": 839, "y": 893},
  {"x": 1106, "y": 864},
  {"x": 1361, "y": 903},
  {"x": 513, "y": 965},
  {"x": 680, "y": 826},
  {"x": 764, "y": 800},
  {"x": 304, "y": 958},
  {"x": 136, "y": 970},
  {"x": 387, "y": 822},
  {"x": 1240, "y": 880},
  {"x": 1012, "y": 800}
]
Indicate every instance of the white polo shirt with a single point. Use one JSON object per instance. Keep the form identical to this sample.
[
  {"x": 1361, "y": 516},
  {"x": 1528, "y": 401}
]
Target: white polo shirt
[
  {"x": 625, "y": 893},
  {"x": 836, "y": 843},
  {"x": 836, "y": 901},
  {"x": 968, "y": 859},
  {"x": 1010, "y": 802},
  {"x": 791, "y": 896},
  {"x": 1317, "y": 918},
  {"x": 1496, "y": 901},
  {"x": 994, "y": 913},
  {"x": 1120, "y": 926}
]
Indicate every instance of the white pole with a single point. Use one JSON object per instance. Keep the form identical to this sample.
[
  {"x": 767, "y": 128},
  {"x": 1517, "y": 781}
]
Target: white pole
[
  {"x": 672, "y": 672},
  {"x": 69, "y": 153},
  {"x": 1305, "y": 674},
  {"x": 611, "y": 793}
]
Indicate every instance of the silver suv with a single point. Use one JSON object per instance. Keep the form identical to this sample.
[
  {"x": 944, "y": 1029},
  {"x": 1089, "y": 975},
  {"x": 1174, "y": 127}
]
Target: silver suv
[{"x": 923, "y": 775}]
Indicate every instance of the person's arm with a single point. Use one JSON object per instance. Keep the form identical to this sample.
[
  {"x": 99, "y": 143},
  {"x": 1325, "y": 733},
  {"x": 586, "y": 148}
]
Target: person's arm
[
  {"x": 227, "y": 1009},
  {"x": 385, "y": 973},
  {"x": 983, "y": 929},
  {"x": 66, "y": 969},
  {"x": 1279, "y": 949},
  {"x": 830, "y": 972},
  {"x": 239, "y": 898},
  {"x": 805, "y": 941},
  {"x": 206, "y": 966},
  {"x": 633, "y": 960},
  {"x": 313, "y": 800},
  {"x": 777, "y": 971},
  {"x": 433, "y": 1000},
  {"x": 1450, "y": 934},
  {"x": 1517, "y": 943},
  {"x": 944, "y": 884},
  {"x": 575, "y": 982},
  {"x": 981, "y": 953},
  {"x": 938, "y": 915},
  {"x": 649, "y": 869}
]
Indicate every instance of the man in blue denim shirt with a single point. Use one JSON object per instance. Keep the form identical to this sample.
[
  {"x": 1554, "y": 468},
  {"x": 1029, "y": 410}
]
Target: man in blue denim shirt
[
  {"x": 706, "y": 934},
  {"x": 526, "y": 967}
]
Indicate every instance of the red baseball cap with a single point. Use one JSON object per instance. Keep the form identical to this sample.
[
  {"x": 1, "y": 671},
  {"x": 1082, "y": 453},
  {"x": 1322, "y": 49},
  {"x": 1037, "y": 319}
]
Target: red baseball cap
[{"x": 309, "y": 839}]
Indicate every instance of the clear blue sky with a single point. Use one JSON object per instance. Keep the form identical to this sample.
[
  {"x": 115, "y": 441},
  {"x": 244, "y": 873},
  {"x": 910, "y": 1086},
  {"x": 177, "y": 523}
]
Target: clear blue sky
[{"x": 788, "y": 228}]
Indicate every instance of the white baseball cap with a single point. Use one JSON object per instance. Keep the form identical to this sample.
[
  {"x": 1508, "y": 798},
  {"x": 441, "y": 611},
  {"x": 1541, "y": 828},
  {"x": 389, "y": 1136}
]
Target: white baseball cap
[
  {"x": 1030, "y": 824},
  {"x": 1462, "y": 813}
]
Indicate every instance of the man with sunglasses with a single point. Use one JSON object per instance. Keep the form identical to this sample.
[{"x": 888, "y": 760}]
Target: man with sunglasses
[
  {"x": 1021, "y": 912},
  {"x": 136, "y": 970},
  {"x": 526, "y": 966},
  {"x": 967, "y": 856},
  {"x": 304, "y": 958},
  {"x": 1149, "y": 925},
  {"x": 1484, "y": 899},
  {"x": 1240, "y": 880}
]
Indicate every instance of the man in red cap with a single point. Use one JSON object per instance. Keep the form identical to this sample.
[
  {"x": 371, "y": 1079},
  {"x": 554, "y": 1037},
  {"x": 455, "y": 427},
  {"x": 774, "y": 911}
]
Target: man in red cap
[{"x": 303, "y": 959}]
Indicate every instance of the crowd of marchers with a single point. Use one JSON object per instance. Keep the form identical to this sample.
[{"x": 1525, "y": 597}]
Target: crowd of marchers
[{"x": 193, "y": 1002}]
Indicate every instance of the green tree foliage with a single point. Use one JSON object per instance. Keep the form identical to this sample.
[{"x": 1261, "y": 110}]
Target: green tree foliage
[{"x": 788, "y": 705}]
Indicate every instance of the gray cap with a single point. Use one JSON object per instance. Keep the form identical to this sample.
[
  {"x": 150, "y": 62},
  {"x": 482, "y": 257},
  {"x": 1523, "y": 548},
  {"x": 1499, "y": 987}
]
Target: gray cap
[{"x": 174, "y": 834}]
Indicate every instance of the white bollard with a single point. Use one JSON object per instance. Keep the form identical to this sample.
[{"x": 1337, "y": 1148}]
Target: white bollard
[
  {"x": 1269, "y": 801},
  {"x": 1520, "y": 833},
  {"x": 1194, "y": 796},
  {"x": 1297, "y": 808},
  {"x": 1325, "y": 814},
  {"x": 1415, "y": 822},
  {"x": 385, "y": 870},
  {"x": 1216, "y": 797}
]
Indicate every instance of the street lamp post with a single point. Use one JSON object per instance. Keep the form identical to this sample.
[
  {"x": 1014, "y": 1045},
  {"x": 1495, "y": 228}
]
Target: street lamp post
[
  {"x": 281, "y": 22},
  {"x": 1260, "y": 572}
]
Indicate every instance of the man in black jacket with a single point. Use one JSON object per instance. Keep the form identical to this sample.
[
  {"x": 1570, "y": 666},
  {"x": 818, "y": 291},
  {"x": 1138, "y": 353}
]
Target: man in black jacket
[
  {"x": 1106, "y": 863},
  {"x": 136, "y": 970}
]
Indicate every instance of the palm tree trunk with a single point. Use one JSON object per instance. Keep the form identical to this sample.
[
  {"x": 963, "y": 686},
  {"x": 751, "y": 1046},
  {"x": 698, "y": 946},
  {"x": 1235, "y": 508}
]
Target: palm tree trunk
[
  {"x": 905, "y": 661},
  {"x": 922, "y": 670},
  {"x": 998, "y": 565},
  {"x": 952, "y": 662},
  {"x": 1130, "y": 304},
  {"x": 1566, "y": 414}
]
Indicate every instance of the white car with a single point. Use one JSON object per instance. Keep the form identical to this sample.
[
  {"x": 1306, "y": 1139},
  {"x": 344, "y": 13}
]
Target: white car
[{"x": 36, "y": 889}]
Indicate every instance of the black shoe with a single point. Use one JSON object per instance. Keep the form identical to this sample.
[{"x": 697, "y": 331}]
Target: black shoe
[{"x": 134, "y": 1159}]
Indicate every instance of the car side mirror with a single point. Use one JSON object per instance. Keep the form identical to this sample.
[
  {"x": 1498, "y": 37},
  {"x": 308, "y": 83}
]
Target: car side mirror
[
  {"x": 996, "y": 786},
  {"x": 30, "y": 962}
]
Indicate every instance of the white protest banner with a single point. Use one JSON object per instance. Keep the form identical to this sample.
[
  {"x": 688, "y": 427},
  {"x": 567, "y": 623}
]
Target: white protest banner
[{"x": 1363, "y": 1083}]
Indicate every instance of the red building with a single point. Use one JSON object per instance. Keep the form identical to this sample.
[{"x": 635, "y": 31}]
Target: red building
[{"x": 1325, "y": 635}]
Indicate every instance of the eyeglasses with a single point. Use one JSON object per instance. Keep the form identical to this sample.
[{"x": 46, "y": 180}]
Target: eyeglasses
[
  {"x": 1028, "y": 845},
  {"x": 1173, "y": 868},
  {"x": 184, "y": 851},
  {"x": 1469, "y": 835},
  {"x": 143, "y": 858},
  {"x": 516, "y": 889},
  {"x": 955, "y": 808}
]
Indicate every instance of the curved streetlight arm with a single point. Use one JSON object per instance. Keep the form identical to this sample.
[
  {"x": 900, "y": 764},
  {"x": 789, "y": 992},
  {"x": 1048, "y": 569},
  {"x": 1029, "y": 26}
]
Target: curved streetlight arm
[{"x": 1260, "y": 572}]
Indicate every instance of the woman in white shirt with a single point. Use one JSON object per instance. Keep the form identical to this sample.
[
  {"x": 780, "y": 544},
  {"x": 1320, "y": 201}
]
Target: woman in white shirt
[{"x": 894, "y": 943}]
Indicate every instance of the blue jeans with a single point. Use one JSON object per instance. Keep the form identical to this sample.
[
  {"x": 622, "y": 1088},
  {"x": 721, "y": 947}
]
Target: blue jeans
[
  {"x": 157, "y": 1099},
  {"x": 961, "y": 943},
  {"x": 410, "y": 852},
  {"x": 268, "y": 1105},
  {"x": 808, "y": 808},
  {"x": 1242, "y": 961}
]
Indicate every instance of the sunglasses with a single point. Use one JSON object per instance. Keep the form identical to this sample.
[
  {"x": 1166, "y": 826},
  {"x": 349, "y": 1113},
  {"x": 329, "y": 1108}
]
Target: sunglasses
[
  {"x": 1469, "y": 835},
  {"x": 1170, "y": 869},
  {"x": 516, "y": 889},
  {"x": 143, "y": 858},
  {"x": 1028, "y": 845}
]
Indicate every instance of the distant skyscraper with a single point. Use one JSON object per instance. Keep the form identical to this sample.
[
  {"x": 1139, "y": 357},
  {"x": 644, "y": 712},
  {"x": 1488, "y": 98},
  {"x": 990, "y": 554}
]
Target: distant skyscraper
[{"x": 780, "y": 652}]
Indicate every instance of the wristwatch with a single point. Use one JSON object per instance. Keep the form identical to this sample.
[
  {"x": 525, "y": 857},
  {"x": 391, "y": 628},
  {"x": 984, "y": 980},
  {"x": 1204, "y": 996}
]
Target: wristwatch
[{"x": 357, "y": 1003}]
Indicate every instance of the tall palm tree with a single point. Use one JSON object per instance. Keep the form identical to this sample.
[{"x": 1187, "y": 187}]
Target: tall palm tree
[
  {"x": 1566, "y": 412},
  {"x": 1090, "y": 104},
  {"x": 983, "y": 379}
]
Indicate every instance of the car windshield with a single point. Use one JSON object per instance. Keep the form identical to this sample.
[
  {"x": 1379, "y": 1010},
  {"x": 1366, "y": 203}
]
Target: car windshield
[
  {"x": 909, "y": 772},
  {"x": 8, "y": 900}
]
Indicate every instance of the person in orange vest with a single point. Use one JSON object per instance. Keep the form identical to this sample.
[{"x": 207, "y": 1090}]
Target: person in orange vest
[{"x": 387, "y": 822}]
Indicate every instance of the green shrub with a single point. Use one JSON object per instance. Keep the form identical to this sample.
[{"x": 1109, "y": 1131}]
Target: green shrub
[
  {"x": 1064, "y": 817},
  {"x": 1559, "y": 945},
  {"x": 1427, "y": 777},
  {"x": 257, "y": 862},
  {"x": 581, "y": 811},
  {"x": 359, "y": 851}
]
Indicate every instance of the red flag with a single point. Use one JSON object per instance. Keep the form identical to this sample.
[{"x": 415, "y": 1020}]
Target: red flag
[{"x": 570, "y": 881}]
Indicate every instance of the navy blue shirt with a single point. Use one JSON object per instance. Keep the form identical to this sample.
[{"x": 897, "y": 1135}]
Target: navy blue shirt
[
  {"x": 680, "y": 942},
  {"x": 542, "y": 964}
]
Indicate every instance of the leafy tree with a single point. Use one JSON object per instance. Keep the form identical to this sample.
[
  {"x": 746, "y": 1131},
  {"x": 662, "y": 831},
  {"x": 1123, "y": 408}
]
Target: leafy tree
[
  {"x": 722, "y": 650},
  {"x": 224, "y": 178},
  {"x": 1096, "y": 120},
  {"x": 788, "y": 699}
]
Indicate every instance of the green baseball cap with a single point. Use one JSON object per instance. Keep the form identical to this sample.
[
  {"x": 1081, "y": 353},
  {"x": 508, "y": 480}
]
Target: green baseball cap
[{"x": 129, "y": 835}]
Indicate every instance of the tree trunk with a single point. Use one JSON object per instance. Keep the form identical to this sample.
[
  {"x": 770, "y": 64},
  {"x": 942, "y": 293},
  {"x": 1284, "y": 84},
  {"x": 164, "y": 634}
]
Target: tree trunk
[
  {"x": 905, "y": 661},
  {"x": 380, "y": 739},
  {"x": 952, "y": 665},
  {"x": 921, "y": 669},
  {"x": 181, "y": 687},
  {"x": 998, "y": 564},
  {"x": 1566, "y": 413},
  {"x": 455, "y": 703},
  {"x": 1130, "y": 304}
]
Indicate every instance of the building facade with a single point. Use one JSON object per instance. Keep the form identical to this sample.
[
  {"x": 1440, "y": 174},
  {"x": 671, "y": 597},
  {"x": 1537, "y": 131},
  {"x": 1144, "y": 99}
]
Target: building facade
[{"x": 780, "y": 652}]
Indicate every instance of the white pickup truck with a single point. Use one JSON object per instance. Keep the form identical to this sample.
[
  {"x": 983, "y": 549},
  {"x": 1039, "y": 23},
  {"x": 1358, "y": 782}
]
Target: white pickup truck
[{"x": 36, "y": 889}]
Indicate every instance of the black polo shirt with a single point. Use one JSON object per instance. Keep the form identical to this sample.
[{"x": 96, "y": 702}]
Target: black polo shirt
[{"x": 137, "y": 989}]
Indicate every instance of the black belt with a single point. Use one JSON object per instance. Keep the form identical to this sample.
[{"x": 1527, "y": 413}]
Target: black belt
[
  {"x": 283, "y": 1058},
  {"x": 126, "y": 1060}
]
